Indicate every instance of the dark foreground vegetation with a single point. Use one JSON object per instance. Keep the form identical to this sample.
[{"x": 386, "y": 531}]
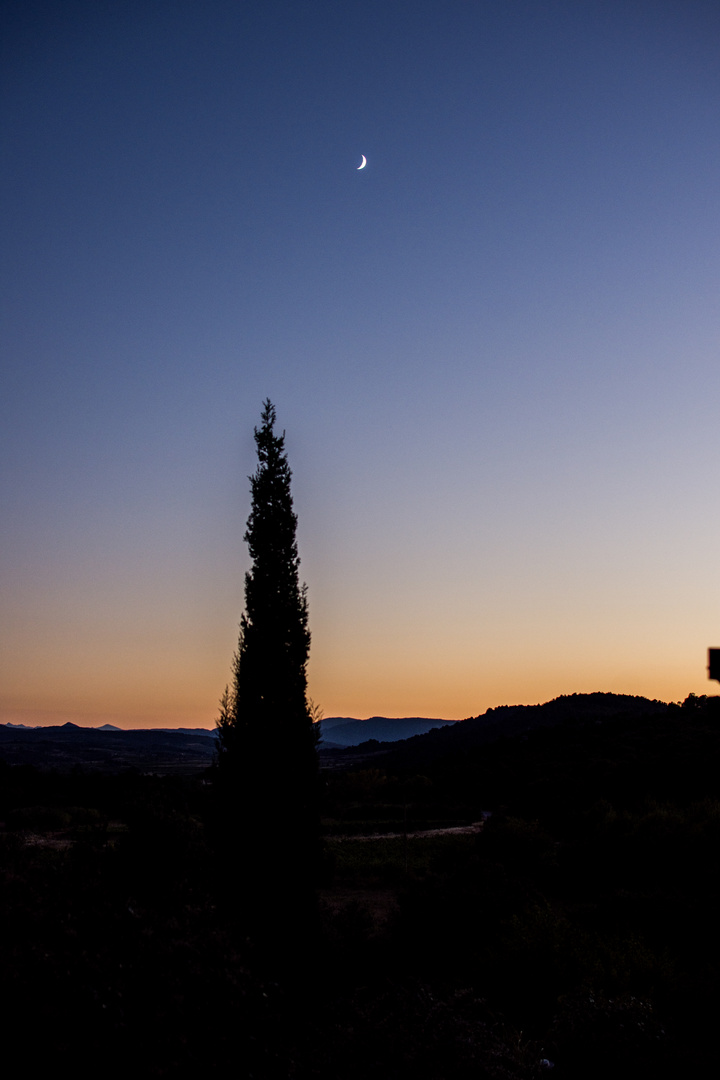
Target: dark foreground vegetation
[{"x": 577, "y": 926}]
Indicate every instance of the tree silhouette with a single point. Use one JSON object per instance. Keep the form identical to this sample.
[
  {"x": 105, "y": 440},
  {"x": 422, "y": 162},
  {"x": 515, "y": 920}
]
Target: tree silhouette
[{"x": 268, "y": 769}]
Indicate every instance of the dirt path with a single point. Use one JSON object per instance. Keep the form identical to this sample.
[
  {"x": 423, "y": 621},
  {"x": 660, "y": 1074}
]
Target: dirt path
[{"x": 455, "y": 830}]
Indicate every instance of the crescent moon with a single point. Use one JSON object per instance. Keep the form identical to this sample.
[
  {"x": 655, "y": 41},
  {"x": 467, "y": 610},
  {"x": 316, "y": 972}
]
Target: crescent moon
[{"x": 363, "y": 163}]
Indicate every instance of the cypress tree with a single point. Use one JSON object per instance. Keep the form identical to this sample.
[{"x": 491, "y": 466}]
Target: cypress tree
[{"x": 268, "y": 768}]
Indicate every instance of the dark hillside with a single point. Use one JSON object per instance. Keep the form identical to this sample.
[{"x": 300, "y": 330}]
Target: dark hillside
[
  {"x": 512, "y": 720},
  {"x": 580, "y": 749},
  {"x": 585, "y": 907}
]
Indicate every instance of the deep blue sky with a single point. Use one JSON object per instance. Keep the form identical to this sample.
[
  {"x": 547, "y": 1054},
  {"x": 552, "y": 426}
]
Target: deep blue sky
[{"x": 495, "y": 350}]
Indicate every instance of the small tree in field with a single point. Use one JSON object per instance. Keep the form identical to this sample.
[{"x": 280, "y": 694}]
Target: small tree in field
[{"x": 268, "y": 769}]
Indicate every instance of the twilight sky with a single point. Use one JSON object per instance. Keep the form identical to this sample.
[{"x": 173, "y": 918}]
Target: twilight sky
[{"x": 495, "y": 350}]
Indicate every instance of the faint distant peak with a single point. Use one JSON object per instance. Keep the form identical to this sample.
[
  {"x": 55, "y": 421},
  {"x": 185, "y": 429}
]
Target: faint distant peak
[{"x": 348, "y": 731}]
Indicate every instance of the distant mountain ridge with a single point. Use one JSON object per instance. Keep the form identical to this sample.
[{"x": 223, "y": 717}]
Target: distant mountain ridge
[
  {"x": 348, "y": 731},
  {"x": 409, "y": 741},
  {"x": 108, "y": 749},
  {"x": 70, "y": 726}
]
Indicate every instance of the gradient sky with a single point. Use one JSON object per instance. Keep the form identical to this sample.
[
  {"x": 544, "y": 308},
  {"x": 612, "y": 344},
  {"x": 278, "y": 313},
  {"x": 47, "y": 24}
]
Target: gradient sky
[{"x": 495, "y": 350}]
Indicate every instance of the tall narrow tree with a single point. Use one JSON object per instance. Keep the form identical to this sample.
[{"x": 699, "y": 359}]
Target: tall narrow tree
[{"x": 268, "y": 746}]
